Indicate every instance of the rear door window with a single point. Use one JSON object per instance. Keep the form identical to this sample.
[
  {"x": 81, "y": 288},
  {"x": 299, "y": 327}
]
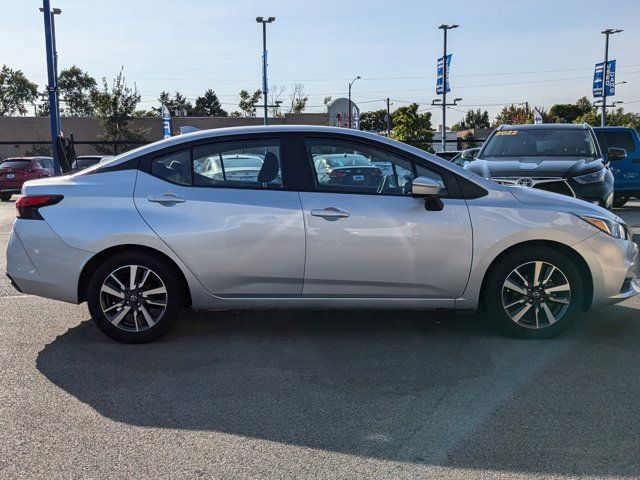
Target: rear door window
[{"x": 239, "y": 164}]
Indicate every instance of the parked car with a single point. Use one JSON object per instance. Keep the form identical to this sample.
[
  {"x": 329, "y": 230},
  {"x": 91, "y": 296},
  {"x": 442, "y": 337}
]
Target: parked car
[
  {"x": 237, "y": 167},
  {"x": 347, "y": 169},
  {"x": 626, "y": 172},
  {"x": 145, "y": 234},
  {"x": 86, "y": 161},
  {"x": 559, "y": 158},
  {"x": 15, "y": 171}
]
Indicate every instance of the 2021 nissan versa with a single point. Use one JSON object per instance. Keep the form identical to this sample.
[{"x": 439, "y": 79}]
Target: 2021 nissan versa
[{"x": 164, "y": 226}]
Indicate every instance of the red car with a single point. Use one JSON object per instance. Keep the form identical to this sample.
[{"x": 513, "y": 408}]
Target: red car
[{"x": 15, "y": 171}]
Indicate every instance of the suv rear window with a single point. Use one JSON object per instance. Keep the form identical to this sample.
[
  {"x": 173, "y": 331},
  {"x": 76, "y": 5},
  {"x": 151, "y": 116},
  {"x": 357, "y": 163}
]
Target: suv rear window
[{"x": 16, "y": 164}]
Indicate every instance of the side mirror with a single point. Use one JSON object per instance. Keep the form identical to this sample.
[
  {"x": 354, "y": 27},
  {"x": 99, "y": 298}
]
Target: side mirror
[
  {"x": 468, "y": 154},
  {"x": 429, "y": 189},
  {"x": 614, "y": 153}
]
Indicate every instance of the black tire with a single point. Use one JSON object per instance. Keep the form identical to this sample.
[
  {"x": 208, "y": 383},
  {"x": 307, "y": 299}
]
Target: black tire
[
  {"x": 173, "y": 302},
  {"x": 494, "y": 294},
  {"x": 620, "y": 201},
  {"x": 5, "y": 197}
]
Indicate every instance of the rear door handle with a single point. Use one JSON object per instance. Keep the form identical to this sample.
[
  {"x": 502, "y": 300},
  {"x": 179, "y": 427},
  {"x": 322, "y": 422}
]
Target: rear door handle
[
  {"x": 329, "y": 212},
  {"x": 166, "y": 199}
]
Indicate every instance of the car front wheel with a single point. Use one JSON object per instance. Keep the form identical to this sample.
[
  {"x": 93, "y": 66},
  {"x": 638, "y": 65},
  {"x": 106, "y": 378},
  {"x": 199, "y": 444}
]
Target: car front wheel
[
  {"x": 134, "y": 297},
  {"x": 534, "y": 294}
]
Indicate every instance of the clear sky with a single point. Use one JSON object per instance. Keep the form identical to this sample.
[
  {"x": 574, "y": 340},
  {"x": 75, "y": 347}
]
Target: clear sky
[{"x": 541, "y": 51}]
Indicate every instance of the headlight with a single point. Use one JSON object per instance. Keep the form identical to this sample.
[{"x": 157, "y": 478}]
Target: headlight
[
  {"x": 610, "y": 227},
  {"x": 592, "y": 177}
]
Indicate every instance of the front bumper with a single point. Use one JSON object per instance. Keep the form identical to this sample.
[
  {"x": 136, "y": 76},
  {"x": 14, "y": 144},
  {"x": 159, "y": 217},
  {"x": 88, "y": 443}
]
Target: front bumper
[
  {"x": 40, "y": 263},
  {"x": 614, "y": 268}
]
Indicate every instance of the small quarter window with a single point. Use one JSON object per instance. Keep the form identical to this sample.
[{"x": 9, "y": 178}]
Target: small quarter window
[{"x": 174, "y": 167}]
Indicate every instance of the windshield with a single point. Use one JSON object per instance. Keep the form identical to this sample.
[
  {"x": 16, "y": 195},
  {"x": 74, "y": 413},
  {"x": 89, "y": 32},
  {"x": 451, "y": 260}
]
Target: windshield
[{"x": 547, "y": 142}]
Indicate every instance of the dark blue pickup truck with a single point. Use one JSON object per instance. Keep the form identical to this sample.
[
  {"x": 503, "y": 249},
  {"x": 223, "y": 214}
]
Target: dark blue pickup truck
[{"x": 625, "y": 171}]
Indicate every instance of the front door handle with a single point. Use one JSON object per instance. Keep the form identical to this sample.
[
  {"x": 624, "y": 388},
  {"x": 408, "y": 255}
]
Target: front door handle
[
  {"x": 329, "y": 212},
  {"x": 166, "y": 199}
]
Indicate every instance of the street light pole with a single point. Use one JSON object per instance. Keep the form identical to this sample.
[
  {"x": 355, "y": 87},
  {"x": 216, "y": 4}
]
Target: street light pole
[
  {"x": 444, "y": 28},
  {"x": 350, "y": 105},
  {"x": 265, "y": 88},
  {"x": 52, "y": 80},
  {"x": 606, "y": 33}
]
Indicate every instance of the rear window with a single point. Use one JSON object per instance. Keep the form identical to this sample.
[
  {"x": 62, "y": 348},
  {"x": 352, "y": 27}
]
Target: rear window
[
  {"x": 615, "y": 139},
  {"x": 16, "y": 164}
]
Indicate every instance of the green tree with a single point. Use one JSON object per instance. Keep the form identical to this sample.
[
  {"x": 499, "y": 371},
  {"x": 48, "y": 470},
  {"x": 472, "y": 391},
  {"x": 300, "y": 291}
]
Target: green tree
[
  {"x": 76, "y": 88},
  {"x": 248, "y": 103},
  {"x": 513, "y": 115},
  {"x": 114, "y": 107},
  {"x": 473, "y": 119},
  {"x": 412, "y": 127},
  {"x": 298, "y": 99},
  {"x": 178, "y": 105},
  {"x": 617, "y": 117},
  {"x": 374, "y": 121},
  {"x": 16, "y": 90},
  {"x": 208, "y": 105}
]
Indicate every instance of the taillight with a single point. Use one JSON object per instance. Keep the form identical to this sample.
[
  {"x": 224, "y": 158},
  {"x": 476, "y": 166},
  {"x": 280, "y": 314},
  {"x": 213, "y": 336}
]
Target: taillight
[{"x": 27, "y": 205}]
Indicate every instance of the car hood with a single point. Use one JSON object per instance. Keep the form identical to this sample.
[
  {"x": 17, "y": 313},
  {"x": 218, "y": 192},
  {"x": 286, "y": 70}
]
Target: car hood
[
  {"x": 559, "y": 203},
  {"x": 534, "y": 167}
]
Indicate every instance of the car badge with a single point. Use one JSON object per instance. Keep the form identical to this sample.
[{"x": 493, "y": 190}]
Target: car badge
[{"x": 525, "y": 182}]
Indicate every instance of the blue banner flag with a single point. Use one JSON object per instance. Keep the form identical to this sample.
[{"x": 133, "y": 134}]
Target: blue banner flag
[
  {"x": 439, "y": 89},
  {"x": 166, "y": 122},
  {"x": 610, "y": 82}
]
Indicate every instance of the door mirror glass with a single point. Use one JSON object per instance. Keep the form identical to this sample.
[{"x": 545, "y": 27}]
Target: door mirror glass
[
  {"x": 469, "y": 154},
  {"x": 614, "y": 153},
  {"x": 423, "y": 187}
]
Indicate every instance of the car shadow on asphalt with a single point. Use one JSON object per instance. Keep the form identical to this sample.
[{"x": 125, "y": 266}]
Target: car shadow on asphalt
[{"x": 402, "y": 386}]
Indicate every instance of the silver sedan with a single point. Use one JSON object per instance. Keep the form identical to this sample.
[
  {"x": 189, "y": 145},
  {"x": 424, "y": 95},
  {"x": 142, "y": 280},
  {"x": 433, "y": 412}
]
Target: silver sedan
[{"x": 148, "y": 232}]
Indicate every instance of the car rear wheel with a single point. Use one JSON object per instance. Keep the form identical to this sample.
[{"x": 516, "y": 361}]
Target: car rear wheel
[
  {"x": 134, "y": 297},
  {"x": 534, "y": 294},
  {"x": 5, "y": 197},
  {"x": 620, "y": 201}
]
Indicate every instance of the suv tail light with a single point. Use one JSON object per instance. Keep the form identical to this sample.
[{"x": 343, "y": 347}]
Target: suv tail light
[{"x": 27, "y": 205}]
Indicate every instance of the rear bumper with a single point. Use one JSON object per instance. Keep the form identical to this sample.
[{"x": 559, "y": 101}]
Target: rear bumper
[
  {"x": 45, "y": 266},
  {"x": 614, "y": 268}
]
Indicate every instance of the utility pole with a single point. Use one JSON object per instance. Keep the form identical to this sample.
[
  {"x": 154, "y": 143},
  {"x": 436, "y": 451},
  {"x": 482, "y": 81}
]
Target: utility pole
[
  {"x": 265, "y": 88},
  {"x": 445, "y": 28},
  {"x": 350, "y": 105},
  {"x": 606, "y": 33},
  {"x": 388, "y": 118},
  {"x": 52, "y": 80}
]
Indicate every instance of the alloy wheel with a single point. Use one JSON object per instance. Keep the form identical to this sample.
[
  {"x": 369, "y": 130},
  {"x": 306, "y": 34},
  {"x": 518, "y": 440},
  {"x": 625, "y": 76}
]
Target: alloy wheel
[
  {"x": 133, "y": 298},
  {"x": 536, "y": 295}
]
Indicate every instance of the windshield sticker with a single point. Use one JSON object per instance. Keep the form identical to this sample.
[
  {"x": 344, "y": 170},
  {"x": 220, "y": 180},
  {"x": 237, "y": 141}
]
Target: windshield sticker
[{"x": 507, "y": 132}]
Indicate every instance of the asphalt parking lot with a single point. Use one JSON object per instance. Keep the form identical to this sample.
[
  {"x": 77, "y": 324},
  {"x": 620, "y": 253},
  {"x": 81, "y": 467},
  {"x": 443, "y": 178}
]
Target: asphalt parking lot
[{"x": 315, "y": 395}]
